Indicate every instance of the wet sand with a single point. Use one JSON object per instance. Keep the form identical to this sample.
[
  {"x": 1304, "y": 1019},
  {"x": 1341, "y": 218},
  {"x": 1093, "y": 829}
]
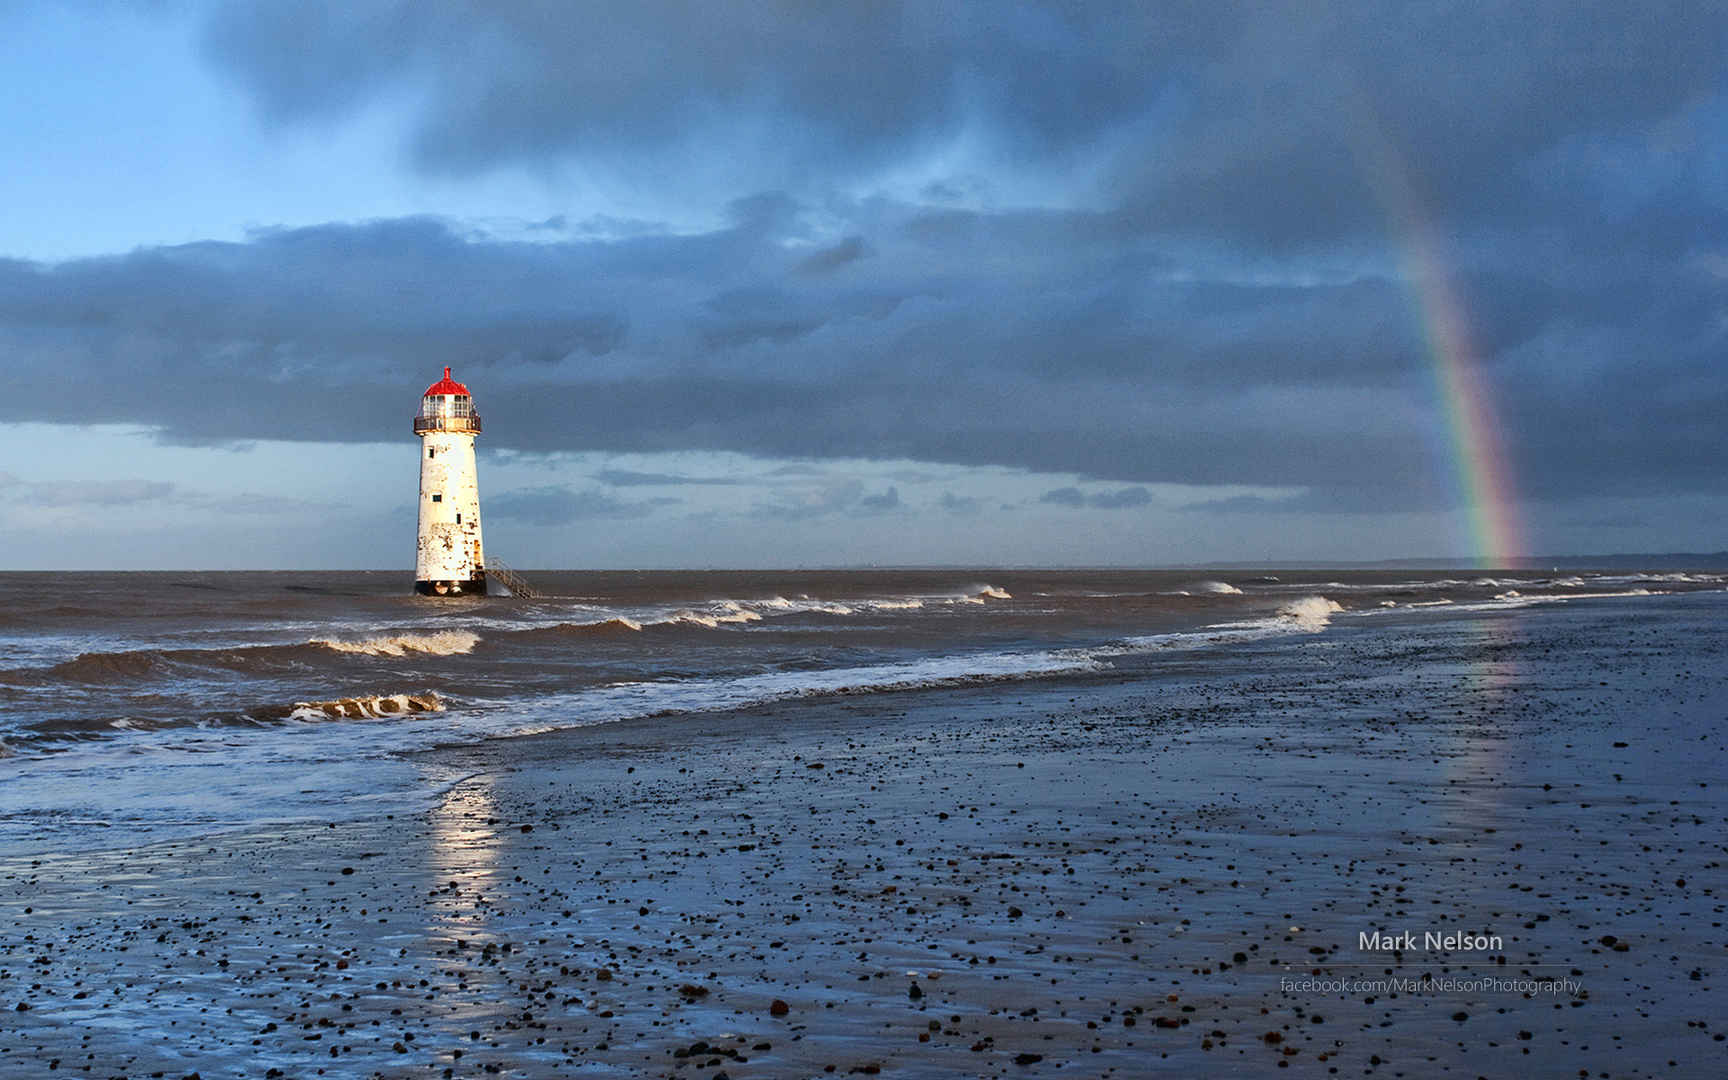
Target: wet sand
[{"x": 1164, "y": 870}]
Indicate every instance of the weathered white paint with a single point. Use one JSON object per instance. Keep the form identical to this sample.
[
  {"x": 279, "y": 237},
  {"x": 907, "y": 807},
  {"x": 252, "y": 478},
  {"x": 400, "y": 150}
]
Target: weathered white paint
[{"x": 449, "y": 538}]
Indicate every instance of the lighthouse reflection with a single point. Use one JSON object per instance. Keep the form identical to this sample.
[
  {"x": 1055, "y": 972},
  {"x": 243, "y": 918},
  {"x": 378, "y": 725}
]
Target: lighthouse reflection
[{"x": 464, "y": 859}]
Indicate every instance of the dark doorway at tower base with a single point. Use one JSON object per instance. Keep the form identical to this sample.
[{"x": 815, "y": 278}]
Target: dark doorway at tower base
[{"x": 472, "y": 587}]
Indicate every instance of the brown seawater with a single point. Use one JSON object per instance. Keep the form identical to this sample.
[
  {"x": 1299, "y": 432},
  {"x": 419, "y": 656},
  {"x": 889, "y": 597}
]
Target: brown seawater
[{"x": 143, "y": 706}]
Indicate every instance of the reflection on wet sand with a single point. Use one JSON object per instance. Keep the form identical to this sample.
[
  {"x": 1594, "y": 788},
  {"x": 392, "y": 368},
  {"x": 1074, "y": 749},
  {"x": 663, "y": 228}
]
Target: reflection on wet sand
[{"x": 462, "y": 860}]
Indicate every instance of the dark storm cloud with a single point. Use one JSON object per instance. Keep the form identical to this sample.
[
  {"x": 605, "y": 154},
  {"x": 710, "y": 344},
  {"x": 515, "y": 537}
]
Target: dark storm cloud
[
  {"x": 1229, "y": 305},
  {"x": 993, "y": 349},
  {"x": 784, "y": 81},
  {"x": 1277, "y": 124}
]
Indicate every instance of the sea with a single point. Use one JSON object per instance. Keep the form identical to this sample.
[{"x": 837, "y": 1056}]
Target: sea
[{"x": 138, "y": 707}]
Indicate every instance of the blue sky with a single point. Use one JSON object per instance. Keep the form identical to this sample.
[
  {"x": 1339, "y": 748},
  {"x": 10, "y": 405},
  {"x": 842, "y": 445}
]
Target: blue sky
[{"x": 765, "y": 284}]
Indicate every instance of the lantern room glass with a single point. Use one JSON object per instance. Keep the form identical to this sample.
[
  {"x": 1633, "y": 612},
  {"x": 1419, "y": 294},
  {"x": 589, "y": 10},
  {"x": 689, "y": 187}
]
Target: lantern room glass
[{"x": 446, "y": 406}]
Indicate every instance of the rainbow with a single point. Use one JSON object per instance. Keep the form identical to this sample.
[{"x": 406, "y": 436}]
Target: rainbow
[
  {"x": 1482, "y": 472},
  {"x": 1481, "y": 468}
]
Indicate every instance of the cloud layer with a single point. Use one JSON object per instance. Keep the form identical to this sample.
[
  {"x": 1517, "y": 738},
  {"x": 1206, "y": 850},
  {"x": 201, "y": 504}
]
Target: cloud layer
[
  {"x": 1008, "y": 338},
  {"x": 1136, "y": 243}
]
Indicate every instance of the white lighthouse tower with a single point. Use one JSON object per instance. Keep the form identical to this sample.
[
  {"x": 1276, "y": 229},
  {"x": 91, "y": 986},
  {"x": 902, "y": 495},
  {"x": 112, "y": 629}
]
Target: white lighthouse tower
[{"x": 448, "y": 558}]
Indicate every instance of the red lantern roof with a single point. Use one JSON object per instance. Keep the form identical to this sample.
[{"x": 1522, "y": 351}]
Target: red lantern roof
[{"x": 446, "y": 385}]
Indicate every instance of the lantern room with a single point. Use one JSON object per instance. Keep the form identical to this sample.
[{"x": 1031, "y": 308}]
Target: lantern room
[{"x": 447, "y": 406}]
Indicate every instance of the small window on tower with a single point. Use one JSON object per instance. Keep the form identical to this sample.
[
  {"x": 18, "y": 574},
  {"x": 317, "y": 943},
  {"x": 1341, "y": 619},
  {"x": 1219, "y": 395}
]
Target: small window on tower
[
  {"x": 458, "y": 519},
  {"x": 430, "y": 451},
  {"x": 437, "y": 498}
]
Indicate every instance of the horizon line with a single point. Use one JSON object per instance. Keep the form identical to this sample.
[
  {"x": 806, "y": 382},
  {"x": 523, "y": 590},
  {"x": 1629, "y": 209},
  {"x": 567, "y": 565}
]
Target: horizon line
[{"x": 1529, "y": 562}]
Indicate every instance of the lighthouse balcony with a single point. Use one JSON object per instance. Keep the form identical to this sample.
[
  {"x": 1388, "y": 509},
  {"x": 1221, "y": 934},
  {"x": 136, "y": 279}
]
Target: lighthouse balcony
[{"x": 469, "y": 423}]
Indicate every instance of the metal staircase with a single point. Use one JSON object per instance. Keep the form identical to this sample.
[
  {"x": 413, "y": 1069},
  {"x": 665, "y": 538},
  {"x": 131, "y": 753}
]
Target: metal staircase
[{"x": 497, "y": 570}]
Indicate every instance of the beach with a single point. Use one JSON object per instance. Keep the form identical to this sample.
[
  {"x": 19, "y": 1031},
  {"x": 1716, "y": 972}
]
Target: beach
[
  {"x": 1166, "y": 866},
  {"x": 774, "y": 541}
]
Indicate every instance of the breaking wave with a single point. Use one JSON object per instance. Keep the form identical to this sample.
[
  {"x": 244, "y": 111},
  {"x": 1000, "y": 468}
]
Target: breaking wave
[
  {"x": 802, "y": 604},
  {"x": 132, "y": 665},
  {"x": 360, "y": 707},
  {"x": 715, "y": 614},
  {"x": 723, "y": 613},
  {"x": 363, "y": 708},
  {"x": 1216, "y": 588},
  {"x": 617, "y": 626},
  {"x": 907, "y": 604},
  {"x": 1311, "y": 613},
  {"x": 436, "y": 643}
]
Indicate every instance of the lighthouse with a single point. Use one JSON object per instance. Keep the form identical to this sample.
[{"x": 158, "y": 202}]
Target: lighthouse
[{"x": 448, "y": 558}]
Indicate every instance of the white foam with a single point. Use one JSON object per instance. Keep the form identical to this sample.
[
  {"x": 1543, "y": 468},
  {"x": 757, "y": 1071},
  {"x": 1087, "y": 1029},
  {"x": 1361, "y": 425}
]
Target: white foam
[
  {"x": 1187, "y": 640},
  {"x": 801, "y": 605},
  {"x": 989, "y": 592},
  {"x": 1311, "y": 613},
  {"x": 717, "y": 613},
  {"x": 367, "y": 708},
  {"x": 1216, "y": 588},
  {"x": 624, "y": 700},
  {"x": 1342, "y": 586},
  {"x": 1509, "y": 600},
  {"x": 437, "y": 643},
  {"x": 713, "y": 614},
  {"x": 731, "y": 611},
  {"x": 685, "y": 615}
]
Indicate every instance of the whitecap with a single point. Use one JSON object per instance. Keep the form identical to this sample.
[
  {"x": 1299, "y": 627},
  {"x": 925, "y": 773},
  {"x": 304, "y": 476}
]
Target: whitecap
[
  {"x": 1310, "y": 613},
  {"x": 437, "y": 643},
  {"x": 1216, "y": 588}
]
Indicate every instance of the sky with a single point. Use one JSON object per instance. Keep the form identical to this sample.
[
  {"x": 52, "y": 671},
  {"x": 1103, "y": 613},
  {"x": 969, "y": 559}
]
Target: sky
[{"x": 791, "y": 284}]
